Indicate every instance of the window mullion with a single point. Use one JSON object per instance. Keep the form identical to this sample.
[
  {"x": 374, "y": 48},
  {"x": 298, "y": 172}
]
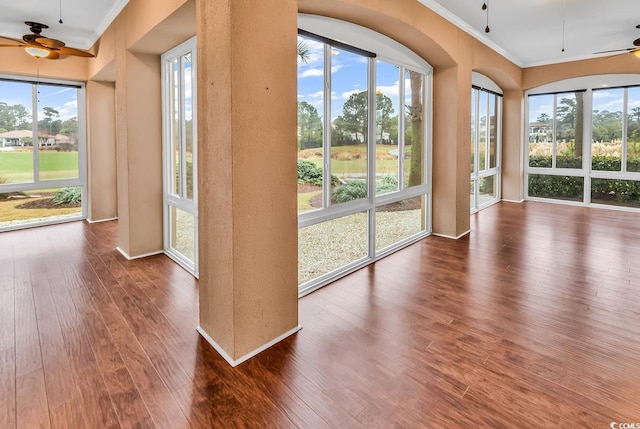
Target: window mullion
[
  {"x": 401, "y": 126},
  {"x": 371, "y": 153},
  {"x": 34, "y": 127},
  {"x": 326, "y": 146},
  {"x": 183, "y": 130},
  {"x": 623, "y": 151}
]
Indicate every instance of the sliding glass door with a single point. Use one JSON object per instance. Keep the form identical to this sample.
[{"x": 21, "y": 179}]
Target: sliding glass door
[{"x": 179, "y": 155}]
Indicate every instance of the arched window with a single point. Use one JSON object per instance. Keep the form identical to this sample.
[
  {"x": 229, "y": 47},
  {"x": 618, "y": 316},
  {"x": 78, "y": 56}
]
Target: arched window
[
  {"x": 486, "y": 142},
  {"x": 364, "y": 111}
]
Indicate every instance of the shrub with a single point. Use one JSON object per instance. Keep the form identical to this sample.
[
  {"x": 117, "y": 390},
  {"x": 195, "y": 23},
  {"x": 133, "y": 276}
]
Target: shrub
[
  {"x": 310, "y": 174},
  {"x": 352, "y": 190},
  {"x": 68, "y": 196},
  {"x": 387, "y": 184}
]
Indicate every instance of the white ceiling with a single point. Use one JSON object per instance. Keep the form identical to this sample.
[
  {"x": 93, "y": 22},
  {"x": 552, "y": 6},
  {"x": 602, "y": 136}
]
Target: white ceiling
[
  {"x": 83, "y": 20},
  {"x": 528, "y": 32}
]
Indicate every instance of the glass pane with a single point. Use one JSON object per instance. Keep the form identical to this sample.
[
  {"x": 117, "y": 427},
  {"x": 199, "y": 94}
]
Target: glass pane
[
  {"x": 606, "y": 145},
  {"x": 328, "y": 246},
  {"x": 349, "y": 133},
  {"x": 188, "y": 124},
  {"x": 387, "y": 119},
  {"x": 310, "y": 123},
  {"x": 23, "y": 208},
  {"x": 175, "y": 128},
  {"x": 487, "y": 191},
  {"x": 58, "y": 132},
  {"x": 16, "y": 132},
  {"x": 414, "y": 143},
  {"x": 398, "y": 221},
  {"x": 474, "y": 130},
  {"x": 182, "y": 238},
  {"x": 633, "y": 129},
  {"x": 493, "y": 130},
  {"x": 540, "y": 130},
  {"x": 557, "y": 187},
  {"x": 482, "y": 126},
  {"x": 472, "y": 192},
  {"x": 615, "y": 192},
  {"x": 569, "y": 130}
]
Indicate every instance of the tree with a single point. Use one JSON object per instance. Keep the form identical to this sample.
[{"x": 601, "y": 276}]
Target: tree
[
  {"x": 70, "y": 127},
  {"x": 577, "y": 148},
  {"x": 354, "y": 114},
  {"x": 415, "y": 110},
  {"x": 309, "y": 126},
  {"x": 47, "y": 123},
  {"x": 15, "y": 117},
  {"x": 384, "y": 122},
  {"x": 303, "y": 52},
  {"x": 544, "y": 118}
]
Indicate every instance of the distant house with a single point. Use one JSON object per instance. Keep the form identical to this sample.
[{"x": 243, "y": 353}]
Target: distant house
[
  {"x": 540, "y": 132},
  {"x": 16, "y": 138}
]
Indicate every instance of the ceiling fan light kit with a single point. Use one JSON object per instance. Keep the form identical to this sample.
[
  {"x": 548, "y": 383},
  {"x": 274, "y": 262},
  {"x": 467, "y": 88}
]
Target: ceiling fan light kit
[{"x": 37, "y": 52}]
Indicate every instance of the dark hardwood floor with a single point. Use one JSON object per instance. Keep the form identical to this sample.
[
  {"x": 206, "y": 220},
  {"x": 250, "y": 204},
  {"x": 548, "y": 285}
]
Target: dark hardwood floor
[{"x": 532, "y": 321}]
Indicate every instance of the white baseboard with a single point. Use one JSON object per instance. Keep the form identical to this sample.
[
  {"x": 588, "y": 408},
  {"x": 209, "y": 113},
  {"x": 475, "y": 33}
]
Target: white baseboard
[
  {"x": 236, "y": 362},
  {"x": 452, "y": 237},
  {"x": 513, "y": 201},
  {"x": 101, "y": 220},
  {"x": 131, "y": 258}
]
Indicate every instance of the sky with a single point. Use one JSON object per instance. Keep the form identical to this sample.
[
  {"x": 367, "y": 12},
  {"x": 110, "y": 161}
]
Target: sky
[
  {"x": 603, "y": 99},
  {"x": 62, "y": 99},
  {"x": 348, "y": 75}
]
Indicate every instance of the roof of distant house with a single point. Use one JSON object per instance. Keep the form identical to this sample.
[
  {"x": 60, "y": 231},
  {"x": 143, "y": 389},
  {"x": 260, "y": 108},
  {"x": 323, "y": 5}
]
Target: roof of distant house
[{"x": 16, "y": 134}]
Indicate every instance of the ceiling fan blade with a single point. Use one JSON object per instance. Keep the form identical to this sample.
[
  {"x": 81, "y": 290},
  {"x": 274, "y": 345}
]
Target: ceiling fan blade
[
  {"x": 4, "y": 45},
  {"x": 50, "y": 43},
  {"x": 12, "y": 39},
  {"x": 53, "y": 55},
  {"x": 76, "y": 52},
  {"x": 615, "y": 50}
]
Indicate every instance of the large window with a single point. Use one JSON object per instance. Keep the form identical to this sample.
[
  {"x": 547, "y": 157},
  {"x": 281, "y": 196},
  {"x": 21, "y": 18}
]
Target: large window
[
  {"x": 486, "y": 136},
  {"x": 363, "y": 148},
  {"x": 180, "y": 155},
  {"x": 42, "y": 152},
  {"x": 602, "y": 110}
]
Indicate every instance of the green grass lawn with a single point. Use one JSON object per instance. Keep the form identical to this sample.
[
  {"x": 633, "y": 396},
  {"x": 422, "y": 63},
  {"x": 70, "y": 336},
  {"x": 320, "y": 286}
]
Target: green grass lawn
[{"x": 17, "y": 167}]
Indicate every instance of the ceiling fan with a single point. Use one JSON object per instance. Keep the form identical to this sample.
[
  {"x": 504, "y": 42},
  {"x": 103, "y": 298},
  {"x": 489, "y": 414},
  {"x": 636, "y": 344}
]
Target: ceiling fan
[
  {"x": 635, "y": 50},
  {"x": 39, "y": 46}
]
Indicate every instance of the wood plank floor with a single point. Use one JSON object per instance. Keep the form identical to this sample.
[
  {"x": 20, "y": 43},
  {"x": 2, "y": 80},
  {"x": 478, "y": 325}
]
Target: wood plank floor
[{"x": 531, "y": 321}]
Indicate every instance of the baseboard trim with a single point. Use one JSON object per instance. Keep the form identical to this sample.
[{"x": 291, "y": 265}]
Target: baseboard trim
[
  {"x": 236, "y": 362},
  {"x": 451, "y": 236},
  {"x": 513, "y": 201},
  {"x": 131, "y": 258},
  {"x": 101, "y": 220}
]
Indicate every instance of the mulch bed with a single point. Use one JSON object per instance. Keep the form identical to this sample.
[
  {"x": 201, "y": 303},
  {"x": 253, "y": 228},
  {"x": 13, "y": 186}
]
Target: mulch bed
[{"x": 45, "y": 203}]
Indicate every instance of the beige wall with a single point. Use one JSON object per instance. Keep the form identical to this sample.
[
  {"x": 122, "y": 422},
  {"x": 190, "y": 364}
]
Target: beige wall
[
  {"x": 247, "y": 171},
  {"x": 101, "y": 153}
]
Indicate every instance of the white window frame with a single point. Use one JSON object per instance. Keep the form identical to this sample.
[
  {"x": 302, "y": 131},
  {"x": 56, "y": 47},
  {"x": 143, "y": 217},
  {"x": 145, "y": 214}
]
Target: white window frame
[{"x": 178, "y": 200}]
